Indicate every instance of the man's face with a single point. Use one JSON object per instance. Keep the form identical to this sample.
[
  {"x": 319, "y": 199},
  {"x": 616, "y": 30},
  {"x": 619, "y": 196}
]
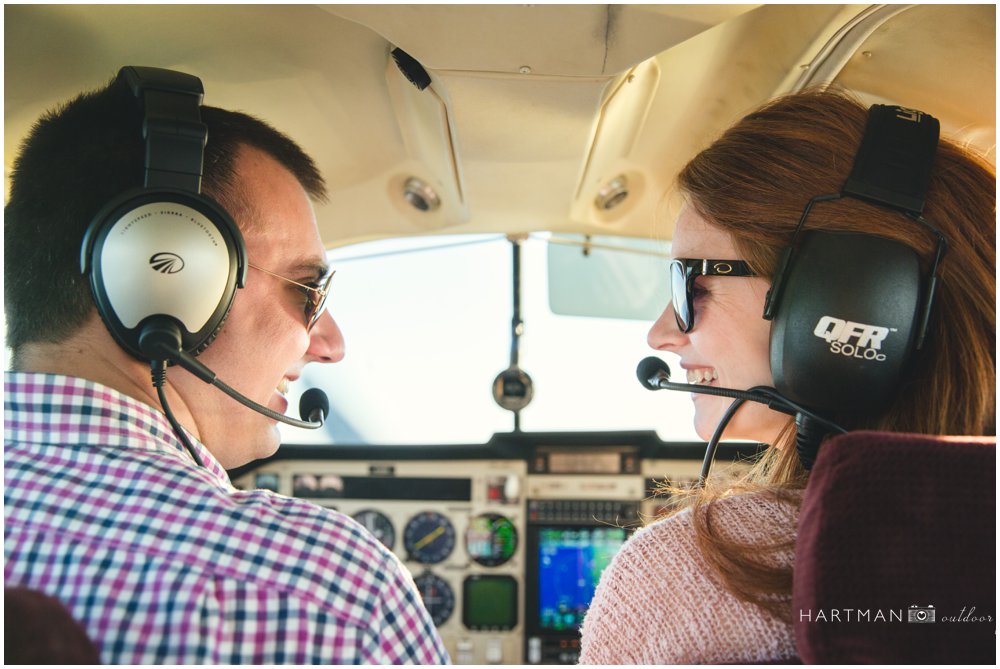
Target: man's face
[{"x": 264, "y": 343}]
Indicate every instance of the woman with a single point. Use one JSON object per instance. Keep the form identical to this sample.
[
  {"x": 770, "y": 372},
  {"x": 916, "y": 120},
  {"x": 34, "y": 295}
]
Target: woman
[{"x": 712, "y": 583}]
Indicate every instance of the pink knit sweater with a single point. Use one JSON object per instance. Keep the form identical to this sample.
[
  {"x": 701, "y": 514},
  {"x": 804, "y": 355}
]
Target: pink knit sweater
[{"x": 657, "y": 603}]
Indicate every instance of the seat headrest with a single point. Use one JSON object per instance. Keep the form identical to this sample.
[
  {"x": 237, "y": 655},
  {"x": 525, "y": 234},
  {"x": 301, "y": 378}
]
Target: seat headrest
[
  {"x": 896, "y": 551},
  {"x": 39, "y": 629}
]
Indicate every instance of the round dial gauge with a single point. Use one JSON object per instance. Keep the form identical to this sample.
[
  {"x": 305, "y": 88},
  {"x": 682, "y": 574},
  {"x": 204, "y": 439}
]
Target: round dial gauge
[
  {"x": 429, "y": 537},
  {"x": 439, "y": 598},
  {"x": 379, "y": 525},
  {"x": 491, "y": 539}
]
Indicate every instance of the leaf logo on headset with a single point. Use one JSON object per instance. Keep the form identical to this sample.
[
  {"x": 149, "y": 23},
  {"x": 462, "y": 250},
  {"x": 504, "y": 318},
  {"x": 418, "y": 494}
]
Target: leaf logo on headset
[{"x": 166, "y": 262}]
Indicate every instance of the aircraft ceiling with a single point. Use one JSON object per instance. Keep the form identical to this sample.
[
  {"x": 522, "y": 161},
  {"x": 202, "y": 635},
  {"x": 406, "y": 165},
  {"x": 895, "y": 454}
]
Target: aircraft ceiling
[{"x": 533, "y": 111}]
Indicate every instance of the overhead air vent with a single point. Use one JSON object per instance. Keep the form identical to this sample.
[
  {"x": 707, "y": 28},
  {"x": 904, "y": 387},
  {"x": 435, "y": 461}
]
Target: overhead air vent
[
  {"x": 612, "y": 194},
  {"x": 420, "y": 195}
]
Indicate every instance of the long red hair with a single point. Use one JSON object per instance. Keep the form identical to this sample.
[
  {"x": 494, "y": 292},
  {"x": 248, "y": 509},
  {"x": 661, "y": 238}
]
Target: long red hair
[{"x": 753, "y": 182}]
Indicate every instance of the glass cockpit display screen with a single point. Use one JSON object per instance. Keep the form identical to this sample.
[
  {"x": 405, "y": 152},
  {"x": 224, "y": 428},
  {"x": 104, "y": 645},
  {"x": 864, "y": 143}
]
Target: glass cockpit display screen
[{"x": 570, "y": 562}]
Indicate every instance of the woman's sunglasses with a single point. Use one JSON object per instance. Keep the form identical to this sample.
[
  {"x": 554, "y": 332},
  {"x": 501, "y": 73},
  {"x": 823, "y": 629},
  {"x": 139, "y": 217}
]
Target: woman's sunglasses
[
  {"x": 683, "y": 272},
  {"x": 315, "y": 295}
]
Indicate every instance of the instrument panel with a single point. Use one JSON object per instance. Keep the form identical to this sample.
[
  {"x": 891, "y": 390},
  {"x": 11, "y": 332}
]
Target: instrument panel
[{"x": 505, "y": 541}]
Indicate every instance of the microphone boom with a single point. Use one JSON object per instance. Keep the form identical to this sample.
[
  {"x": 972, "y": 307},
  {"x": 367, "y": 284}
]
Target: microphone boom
[
  {"x": 654, "y": 374},
  {"x": 160, "y": 339}
]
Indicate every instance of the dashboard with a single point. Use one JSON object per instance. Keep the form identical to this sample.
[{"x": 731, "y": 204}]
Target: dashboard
[{"x": 507, "y": 540}]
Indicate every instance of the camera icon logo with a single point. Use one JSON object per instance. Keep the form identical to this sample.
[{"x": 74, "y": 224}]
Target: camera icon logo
[{"x": 920, "y": 614}]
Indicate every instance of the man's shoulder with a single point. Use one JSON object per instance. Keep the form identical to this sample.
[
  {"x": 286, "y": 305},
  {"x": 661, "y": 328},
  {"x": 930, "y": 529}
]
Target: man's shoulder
[
  {"x": 272, "y": 531},
  {"x": 296, "y": 518},
  {"x": 149, "y": 507}
]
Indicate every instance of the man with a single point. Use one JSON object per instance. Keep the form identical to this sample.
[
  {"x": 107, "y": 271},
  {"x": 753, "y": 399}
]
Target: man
[{"x": 160, "y": 558}]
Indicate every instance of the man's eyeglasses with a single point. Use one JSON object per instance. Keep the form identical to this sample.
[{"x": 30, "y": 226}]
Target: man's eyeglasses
[
  {"x": 683, "y": 272},
  {"x": 315, "y": 295}
]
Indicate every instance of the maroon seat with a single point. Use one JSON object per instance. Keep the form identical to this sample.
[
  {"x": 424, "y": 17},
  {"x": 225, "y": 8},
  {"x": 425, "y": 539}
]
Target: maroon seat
[
  {"x": 897, "y": 530},
  {"x": 39, "y": 630}
]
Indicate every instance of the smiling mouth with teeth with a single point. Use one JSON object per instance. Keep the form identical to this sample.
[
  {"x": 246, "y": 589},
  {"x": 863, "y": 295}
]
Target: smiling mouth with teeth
[
  {"x": 282, "y": 386},
  {"x": 702, "y": 376}
]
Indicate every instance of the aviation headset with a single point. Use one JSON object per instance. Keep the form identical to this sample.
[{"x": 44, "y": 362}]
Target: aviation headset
[
  {"x": 850, "y": 310},
  {"x": 165, "y": 255}
]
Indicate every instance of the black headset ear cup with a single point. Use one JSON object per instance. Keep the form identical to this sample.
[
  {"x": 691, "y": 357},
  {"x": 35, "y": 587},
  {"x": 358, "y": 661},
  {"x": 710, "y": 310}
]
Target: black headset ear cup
[
  {"x": 845, "y": 320},
  {"x": 164, "y": 253}
]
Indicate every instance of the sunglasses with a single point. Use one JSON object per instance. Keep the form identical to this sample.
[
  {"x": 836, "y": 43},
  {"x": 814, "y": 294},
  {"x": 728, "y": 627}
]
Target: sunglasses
[
  {"x": 315, "y": 295},
  {"x": 683, "y": 272}
]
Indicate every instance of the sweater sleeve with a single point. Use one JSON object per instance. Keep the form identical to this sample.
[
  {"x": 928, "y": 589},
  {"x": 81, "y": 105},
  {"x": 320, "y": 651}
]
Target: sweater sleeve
[{"x": 657, "y": 603}]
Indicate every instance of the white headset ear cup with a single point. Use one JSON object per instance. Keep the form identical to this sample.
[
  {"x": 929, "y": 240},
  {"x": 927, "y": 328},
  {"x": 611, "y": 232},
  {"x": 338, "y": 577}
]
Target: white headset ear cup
[{"x": 164, "y": 253}]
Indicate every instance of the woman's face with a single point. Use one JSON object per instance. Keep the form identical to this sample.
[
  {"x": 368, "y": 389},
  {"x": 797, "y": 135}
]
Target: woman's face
[{"x": 729, "y": 344}]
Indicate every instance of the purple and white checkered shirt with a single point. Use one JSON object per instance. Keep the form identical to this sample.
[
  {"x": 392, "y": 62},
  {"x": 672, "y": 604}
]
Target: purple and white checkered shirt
[{"x": 167, "y": 563}]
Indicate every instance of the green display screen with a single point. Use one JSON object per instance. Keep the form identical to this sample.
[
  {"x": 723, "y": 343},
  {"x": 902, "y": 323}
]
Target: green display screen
[{"x": 489, "y": 602}]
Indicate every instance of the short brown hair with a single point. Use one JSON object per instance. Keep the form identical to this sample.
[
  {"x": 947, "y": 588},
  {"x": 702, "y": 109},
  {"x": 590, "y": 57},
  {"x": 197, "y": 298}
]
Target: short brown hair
[{"x": 75, "y": 159}]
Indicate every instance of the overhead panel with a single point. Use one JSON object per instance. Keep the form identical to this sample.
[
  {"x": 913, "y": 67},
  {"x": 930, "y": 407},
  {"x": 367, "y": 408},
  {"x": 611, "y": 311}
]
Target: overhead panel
[
  {"x": 701, "y": 86},
  {"x": 524, "y": 85}
]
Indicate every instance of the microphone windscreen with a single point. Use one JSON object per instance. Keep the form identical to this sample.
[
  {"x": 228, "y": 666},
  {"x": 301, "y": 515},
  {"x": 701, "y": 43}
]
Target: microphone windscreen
[
  {"x": 312, "y": 400},
  {"x": 649, "y": 368}
]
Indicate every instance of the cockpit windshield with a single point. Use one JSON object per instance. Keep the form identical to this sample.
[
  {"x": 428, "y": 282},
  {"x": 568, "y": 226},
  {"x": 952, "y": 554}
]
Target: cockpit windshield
[{"x": 428, "y": 326}]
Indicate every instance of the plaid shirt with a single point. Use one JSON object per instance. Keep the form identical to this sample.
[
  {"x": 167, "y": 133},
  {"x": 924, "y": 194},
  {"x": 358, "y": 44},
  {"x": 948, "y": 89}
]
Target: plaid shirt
[{"x": 165, "y": 562}]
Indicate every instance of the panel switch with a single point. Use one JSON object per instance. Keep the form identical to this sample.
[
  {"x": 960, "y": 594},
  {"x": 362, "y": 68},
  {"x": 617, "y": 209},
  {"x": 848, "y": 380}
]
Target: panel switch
[{"x": 494, "y": 651}]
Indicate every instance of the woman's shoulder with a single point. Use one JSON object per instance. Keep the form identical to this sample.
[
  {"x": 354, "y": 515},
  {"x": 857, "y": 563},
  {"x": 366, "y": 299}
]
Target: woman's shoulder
[
  {"x": 749, "y": 516},
  {"x": 660, "y": 574},
  {"x": 666, "y": 553}
]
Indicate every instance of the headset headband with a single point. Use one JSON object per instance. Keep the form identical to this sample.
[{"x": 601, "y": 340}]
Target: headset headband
[
  {"x": 893, "y": 169},
  {"x": 175, "y": 136},
  {"x": 893, "y": 164}
]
